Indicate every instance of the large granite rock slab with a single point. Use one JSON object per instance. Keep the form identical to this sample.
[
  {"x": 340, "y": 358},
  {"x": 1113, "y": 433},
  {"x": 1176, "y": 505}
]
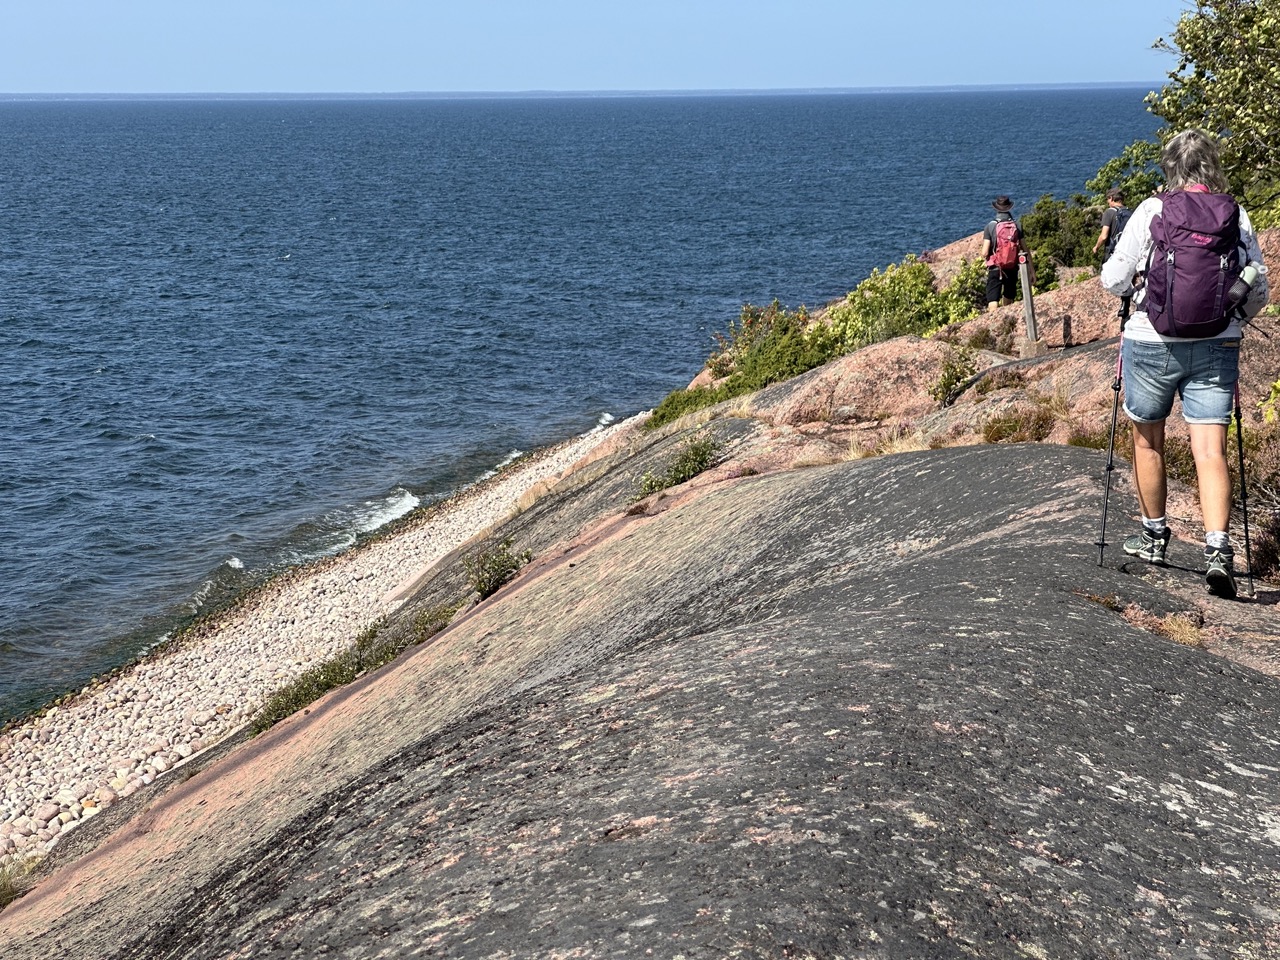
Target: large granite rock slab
[{"x": 880, "y": 708}]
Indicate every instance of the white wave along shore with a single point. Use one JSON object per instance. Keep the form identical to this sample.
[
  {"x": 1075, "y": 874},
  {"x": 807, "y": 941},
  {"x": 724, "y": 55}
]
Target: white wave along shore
[{"x": 61, "y": 768}]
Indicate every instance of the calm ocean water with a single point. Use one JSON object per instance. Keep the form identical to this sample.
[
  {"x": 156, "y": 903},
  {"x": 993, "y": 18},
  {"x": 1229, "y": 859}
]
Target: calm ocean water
[{"x": 236, "y": 334}]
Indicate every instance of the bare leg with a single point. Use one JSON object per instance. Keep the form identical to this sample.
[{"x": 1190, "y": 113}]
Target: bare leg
[
  {"x": 1148, "y": 467},
  {"x": 1209, "y": 447}
]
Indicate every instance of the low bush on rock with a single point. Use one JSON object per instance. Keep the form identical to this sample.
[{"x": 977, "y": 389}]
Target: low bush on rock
[
  {"x": 14, "y": 880},
  {"x": 958, "y": 367},
  {"x": 1061, "y": 234},
  {"x": 901, "y": 300},
  {"x": 767, "y": 345},
  {"x": 1000, "y": 379},
  {"x": 489, "y": 569},
  {"x": 697, "y": 455},
  {"x": 372, "y": 649},
  {"x": 1019, "y": 425}
]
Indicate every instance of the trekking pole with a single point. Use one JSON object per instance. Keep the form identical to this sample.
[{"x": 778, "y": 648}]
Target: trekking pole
[
  {"x": 1111, "y": 451},
  {"x": 1244, "y": 497}
]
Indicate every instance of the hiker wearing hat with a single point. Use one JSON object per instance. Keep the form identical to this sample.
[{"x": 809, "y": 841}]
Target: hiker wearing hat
[{"x": 1001, "y": 244}]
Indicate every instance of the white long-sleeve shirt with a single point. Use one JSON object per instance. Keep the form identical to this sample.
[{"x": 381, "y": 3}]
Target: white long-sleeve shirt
[{"x": 1130, "y": 257}]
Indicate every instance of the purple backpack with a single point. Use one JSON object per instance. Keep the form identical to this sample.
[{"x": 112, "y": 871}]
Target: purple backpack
[{"x": 1195, "y": 258}]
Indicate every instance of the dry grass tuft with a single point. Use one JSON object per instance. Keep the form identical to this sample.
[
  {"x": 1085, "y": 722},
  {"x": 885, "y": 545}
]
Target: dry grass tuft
[
  {"x": 1182, "y": 628},
  {"x": 15, "y": 878},
  {"x": 900, "y": 440}
]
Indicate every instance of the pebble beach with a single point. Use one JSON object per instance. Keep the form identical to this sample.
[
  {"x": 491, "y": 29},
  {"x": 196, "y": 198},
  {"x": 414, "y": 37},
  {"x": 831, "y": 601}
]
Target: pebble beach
[{"x": 63, "y": 767}]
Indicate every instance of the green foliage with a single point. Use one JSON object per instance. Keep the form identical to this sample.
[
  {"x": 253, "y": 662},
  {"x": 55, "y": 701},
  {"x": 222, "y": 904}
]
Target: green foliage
[
  {"x": 966, "y": 295},
  {"x": 787, "y": 351},
  {"x": 770, "y": 344},
  {"x": 487, "y": 570},
  {"x": 374, "y": 648},
  {"x": 766, "y": 345},
  {"x": 754, "y": 326},
  {"x": 1271, "y": 406},
  {"x": 695, "y": 456},
  {"x": 959, "y": 366},
  {"x": 679, "y": 402},
  {"x": 898, "y": 301},
  {"x": 1136, "y": 172},
  {"x": 1019, "y": 425},
  {"x": 1225, "y": 82},
  {"x": 1060, "y": 234},
  {"x": 1000, "y": 379}
]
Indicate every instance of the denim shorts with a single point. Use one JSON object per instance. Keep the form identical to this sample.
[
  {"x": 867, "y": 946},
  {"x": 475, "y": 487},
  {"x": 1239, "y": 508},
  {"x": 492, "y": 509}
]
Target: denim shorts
[{"x": 1202, "y": 373}]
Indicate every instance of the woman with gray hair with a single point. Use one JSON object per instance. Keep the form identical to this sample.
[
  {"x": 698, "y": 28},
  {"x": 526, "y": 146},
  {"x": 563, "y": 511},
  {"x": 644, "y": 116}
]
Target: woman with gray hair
[{"x": 1193, "y": 357}]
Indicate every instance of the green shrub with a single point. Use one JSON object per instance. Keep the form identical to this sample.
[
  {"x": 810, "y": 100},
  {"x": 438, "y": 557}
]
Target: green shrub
[
  {"x": 754, "y": 326},
  {"x": 1019, "y": 425},
  {"x": 1046, "y": 272},
  {"x": 957, "y": 368},
  {"x": 1136, "y": 172},
  {"x": 787, "y": 352},
  {"x": 770, "y": 344},
  {"x": 372, "y": 649},
  {"x": 695, "y": 456},
  {"x": 966, "y": 295},
  {"x": 766, "y": 345},
  {"x": 1271, "y": 406},
  {"x": 981, "y": 339},
  {"x": 1060, "y": 234},
  {"x": 1005, "y": 338},
  {"x": 679, "y": 402},
  {"x": 1000, "y": 379},
  {"x": 900, "y": 300},
  {"x": 488, "y": 569}
]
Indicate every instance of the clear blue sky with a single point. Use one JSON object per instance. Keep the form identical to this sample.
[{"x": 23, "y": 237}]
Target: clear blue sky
[{"x": 397, "y": 46}]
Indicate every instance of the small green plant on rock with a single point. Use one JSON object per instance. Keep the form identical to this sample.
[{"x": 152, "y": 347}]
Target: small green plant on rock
[
  {"x": 695, "y": 456},
  {"x": 373, "y": 648},
  {"x": 766, "y": 345},
  {"x": 1019, "y": 425},
  {"x": 958, "y": 367},
  {"x": 489, "y": 569},
  {"x": 966, "y": 294},
  {"x": 1000, "y": 379}
]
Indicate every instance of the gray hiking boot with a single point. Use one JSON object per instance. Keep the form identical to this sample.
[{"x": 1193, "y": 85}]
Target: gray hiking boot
[
  {"x": 1221, "y": 573},
  {"x": 1148, "y": 546}
]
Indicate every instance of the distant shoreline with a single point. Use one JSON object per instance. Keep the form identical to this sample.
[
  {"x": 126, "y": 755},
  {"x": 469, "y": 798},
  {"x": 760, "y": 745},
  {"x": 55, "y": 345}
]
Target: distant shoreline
[{"x": 336, "y": 96}]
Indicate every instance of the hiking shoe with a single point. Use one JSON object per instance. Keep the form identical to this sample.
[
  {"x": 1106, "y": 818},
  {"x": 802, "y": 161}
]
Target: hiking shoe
[
  {"x": 1221, "y": 574},
  {"x": 1148, "y": 546}
]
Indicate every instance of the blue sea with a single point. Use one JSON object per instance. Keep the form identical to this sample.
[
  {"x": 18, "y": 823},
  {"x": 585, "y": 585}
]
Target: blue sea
[{"x": 236, "y": 335}]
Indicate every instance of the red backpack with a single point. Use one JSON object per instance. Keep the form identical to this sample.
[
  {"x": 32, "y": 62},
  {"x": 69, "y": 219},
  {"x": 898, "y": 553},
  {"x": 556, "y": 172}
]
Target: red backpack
[{"x": 1005, "y": 254}]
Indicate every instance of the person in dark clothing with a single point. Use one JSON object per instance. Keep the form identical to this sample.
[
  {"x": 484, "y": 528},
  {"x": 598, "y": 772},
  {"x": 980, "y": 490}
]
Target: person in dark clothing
[{"x": 1114, "y": 219}]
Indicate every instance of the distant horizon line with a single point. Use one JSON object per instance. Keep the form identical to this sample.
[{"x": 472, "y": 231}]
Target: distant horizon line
[{"x": 570, "y": 94}]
